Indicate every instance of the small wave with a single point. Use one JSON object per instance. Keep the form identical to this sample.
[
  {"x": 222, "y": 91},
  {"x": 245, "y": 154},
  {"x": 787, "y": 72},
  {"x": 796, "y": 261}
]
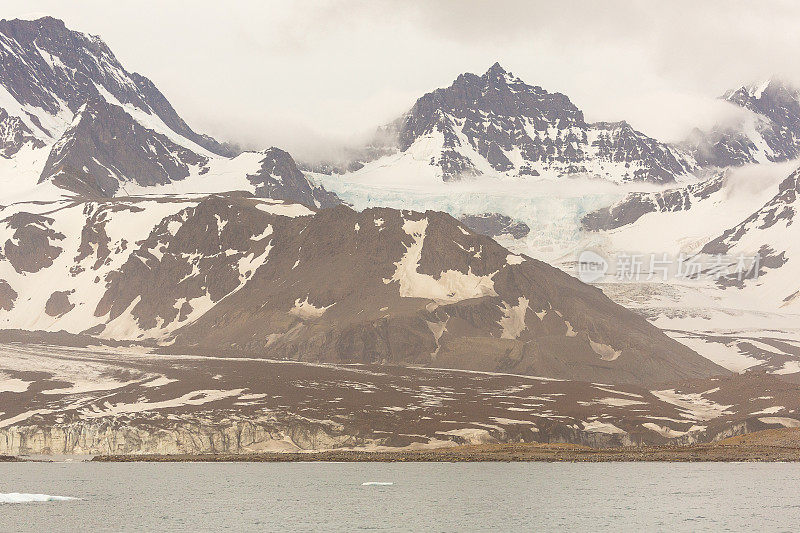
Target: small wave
[
  {"x": 19, "y": 497},
  {"x": 376, "y": 484}
]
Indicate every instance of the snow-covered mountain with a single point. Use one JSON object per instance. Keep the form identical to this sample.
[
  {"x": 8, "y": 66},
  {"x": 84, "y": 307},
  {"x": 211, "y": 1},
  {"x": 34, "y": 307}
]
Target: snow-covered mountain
[
  {"x": 713, "y": 218},
  {"x": 726, "y": 312},
  {"x": 49, "y": 71},
  {"x": 74, "y": 121},
  {"x": 497, "y": 125},
  {"x": 85, "y": 253},
  {"x": 122, "y": 226},
  {"x": 769, "y": 132},
  {"x": 773, "y": 234},
  {"x": 638, "y": 204}
]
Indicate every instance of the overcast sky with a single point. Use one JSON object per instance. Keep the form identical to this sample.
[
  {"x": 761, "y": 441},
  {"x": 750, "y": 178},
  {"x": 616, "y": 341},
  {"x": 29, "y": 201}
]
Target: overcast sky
[{"x": 303, "y": 75}]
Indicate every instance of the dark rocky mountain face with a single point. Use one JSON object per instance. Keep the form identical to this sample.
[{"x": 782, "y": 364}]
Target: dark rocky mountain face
[
  {"x": 495, "y": 225},
  {"x": 231, "y": 274},
  {"x": 772, "y": 133},
  {"x": 497, "y": 93},
  {"x": 14, "y": 134},
  {"x": 279, "y": 178},
  {"x": 46, "y": 65},
  {"x": 33, "y": 244},
  {"x": 105, "y": 147},
  {"x": 524, "y": 130},
  {"x": 638, "y": 204}
]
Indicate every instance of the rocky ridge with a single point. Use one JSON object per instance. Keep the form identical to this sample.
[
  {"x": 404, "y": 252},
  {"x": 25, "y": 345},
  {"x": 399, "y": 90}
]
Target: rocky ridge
[{"x": 497, "y": 125}]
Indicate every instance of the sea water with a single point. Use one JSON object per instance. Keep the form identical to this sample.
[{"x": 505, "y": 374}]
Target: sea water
[{"x": 401, "y": 497}]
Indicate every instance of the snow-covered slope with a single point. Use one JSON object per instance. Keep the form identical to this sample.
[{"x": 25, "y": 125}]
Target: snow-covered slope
[
  {"x": 638, "y": 204},
  {"x": 772, "y": 232},
  {"x": 497, "y": 125},
  {"x": 682, "y": 219},
  {"x": 721, "y": 225},
  {"x": 740, "y": 214}
]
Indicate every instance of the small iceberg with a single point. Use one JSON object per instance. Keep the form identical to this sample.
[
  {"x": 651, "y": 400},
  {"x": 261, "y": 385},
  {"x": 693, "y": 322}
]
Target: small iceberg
[
  {"x": 376, "y": 484},
  {"x": 19, "y": 497}
]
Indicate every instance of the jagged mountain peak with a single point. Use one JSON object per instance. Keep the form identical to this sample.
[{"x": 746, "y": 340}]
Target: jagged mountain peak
[
  {"x": 43, "y": 22},
  {"x": 50, "y": 71},
  {"x": 46, "y": 54},
  {"x": 278, "y": 177},
  {"x": 496, "y": 124},
  {"x": 496, "y": 68},
  {"x": 499, "y": 75},
  {"x": 775, "y": 98},
  {"x": 39, "y": 20},
  {"x": 480, "y": 91}
]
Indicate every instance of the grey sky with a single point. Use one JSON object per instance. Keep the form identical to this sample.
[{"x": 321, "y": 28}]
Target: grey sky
[{"x": 304, "y": 75}]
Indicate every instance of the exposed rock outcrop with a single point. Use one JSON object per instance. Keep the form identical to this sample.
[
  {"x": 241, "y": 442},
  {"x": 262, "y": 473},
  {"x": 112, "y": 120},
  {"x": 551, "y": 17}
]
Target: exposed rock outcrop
[
  {"x": 105, "y": 147},
  {"x": 279, "y": 178},
  {"x": 495, "y": 225}
]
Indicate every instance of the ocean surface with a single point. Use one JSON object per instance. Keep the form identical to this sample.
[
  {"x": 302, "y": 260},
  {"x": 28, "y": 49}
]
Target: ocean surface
[{"x": 399, "y": 497}]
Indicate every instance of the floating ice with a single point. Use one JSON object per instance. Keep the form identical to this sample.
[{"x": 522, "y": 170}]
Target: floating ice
[{"x": 20, "y": 497}]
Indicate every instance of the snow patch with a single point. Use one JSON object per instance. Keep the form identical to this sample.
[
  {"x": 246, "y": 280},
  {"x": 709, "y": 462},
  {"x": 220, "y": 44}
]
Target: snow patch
[
  {"x": 606, "y": 352},
  {"x": 305, "y": 309},
  {"x": 668, "y": 432},
  {"x": 452, "y": 285},
  {"x": 513, "y": 320},
  {"x": 8, "y": 384},
  {"x": 285, "y": 210},
  {"x": 694, "y": 405},
  {"x": 783, "y": 421},
  {"x": 512, "y": 259},
  {"x": 596, "y": 426}
]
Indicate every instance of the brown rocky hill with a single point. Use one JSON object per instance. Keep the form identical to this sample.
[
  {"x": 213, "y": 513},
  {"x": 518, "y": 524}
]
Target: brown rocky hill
[{"x": 233, "y": 274}]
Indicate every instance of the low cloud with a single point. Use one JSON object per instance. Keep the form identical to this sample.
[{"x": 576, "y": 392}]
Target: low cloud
[{"x": 312, "y": 76}]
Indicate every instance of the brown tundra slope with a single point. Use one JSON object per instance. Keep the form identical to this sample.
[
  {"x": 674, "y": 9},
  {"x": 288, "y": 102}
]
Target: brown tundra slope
[{"x": 231, "y": 274}]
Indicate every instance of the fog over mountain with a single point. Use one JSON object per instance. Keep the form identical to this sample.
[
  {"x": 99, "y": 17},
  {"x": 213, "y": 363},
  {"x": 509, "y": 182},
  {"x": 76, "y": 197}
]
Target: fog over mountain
[{"x": 310, "y": 76}]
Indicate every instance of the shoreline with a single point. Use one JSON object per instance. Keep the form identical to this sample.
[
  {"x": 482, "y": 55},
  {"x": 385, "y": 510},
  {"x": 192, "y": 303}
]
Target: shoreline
[{"x": 717, "y": 452}]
